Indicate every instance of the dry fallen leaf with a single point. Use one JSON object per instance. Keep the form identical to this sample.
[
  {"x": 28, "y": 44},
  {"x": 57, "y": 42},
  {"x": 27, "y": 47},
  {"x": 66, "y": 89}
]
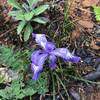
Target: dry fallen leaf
[
  {"x": 88, "y": 3},
  {"x": 2, "y": 2},
  {"x": 93, "y": 44},
  {"x": 75, "y": 34},
  {"x": 86, "y": 23}
]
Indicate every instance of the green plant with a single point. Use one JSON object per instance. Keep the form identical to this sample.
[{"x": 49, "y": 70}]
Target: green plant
[
  {"x": 21, "y": 87},
  {"x": 18, "y": 90},
  {"x": 26, "y": 13},
  {"x": 97, "y": 13},
  {"x": 1, "y": 79},
  {"x": 17, "y": 60}
]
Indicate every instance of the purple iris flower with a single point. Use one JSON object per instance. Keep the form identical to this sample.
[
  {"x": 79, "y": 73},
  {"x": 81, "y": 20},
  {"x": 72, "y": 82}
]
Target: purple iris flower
[{"x": 48, "y": 50}]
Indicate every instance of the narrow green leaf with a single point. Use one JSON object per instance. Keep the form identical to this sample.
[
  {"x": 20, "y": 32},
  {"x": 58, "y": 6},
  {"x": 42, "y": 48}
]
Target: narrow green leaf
[
  {"x": 14, "y": 3},
  {"x": 20, "y": 26},
  {"x": 20, "y": 17},
  {"x": 1, "y": 79},
  {"x": 15, "y": 13},
  {"x": 41, "y": 20},
  {"x": 40, "y": 9},
  {"x": 28, "y": 16},
  {"x": 18, "y": 14},
  {"x": 28, "y": 30},
  {"x": 32, "y": 2}
]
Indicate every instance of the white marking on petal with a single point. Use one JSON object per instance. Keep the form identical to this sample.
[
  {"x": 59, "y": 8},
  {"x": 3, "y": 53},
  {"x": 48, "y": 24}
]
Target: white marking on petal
[{"x": 36, "y": 68}]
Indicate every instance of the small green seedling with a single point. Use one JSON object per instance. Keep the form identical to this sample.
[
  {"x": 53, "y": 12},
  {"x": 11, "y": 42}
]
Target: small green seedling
[
  {"x": 97, "y": 13},
  {"x": 25, "y": 14}
]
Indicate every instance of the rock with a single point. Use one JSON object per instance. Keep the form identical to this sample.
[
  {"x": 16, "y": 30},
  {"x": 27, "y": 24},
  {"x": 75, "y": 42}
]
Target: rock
[
  {"x": 89, "y": 88},
  {"x": 8, "y": 75},
  {"x": 89, "y": 3},
  {"x": 98, "y": 68},
  {"x": 86, "y": 23},
  {"x": 88, "y": 60},
  {"x": 74, "y": 94},
  {"x": 93, "y": 76},
  {"x": 97, "y": 64}
]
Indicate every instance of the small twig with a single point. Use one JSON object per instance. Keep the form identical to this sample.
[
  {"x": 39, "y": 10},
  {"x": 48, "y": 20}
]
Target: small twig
[
  {"x": 84, "y": 80},
  {"x": 8, "y": 31},
  {"x": 85, "y": 10},
  {"x": 62, "y": 96}
]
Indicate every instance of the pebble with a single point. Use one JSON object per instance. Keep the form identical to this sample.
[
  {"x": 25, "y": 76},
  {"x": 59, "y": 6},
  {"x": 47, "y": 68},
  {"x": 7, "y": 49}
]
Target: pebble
[
  {"x": 74, "y": 94},
  {"x": 97, "y": 64},
  {"x": 93, "y": 76}
]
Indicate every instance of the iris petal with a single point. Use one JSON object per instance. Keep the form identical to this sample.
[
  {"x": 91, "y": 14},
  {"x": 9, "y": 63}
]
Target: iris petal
[
  {"x": 36, "y": 70},
  {"x": 35, "y": 76},
  {"x": 65, "y": 54},
  {"x": 41, "y": 59},
  {"x": 38, "y": 65},
  {"x": 34, "y": 56},
  {"x": 53, "y": 60},
  {"x": 73, "y": 59},
  {"x": 61, "y": 52},
  {"x": 49, "y": 46},
  {"x": 40, "y": 39}
]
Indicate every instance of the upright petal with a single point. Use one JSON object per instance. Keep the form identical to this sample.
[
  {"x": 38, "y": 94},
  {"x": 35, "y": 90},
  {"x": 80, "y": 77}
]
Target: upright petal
[
  {"x": 40, "y": 39},
  {"x": 53, "y": 60},
  {"x": 36, "y": 70},
  {"x": 64, "y": 53},
  {"x": 34, "y": 56}
]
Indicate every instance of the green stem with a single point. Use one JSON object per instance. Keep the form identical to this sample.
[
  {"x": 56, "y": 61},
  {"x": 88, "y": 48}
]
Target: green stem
[
  {"x": 63, "y": 86},
  {"x": 84, "y": 80},
  {"x": 30, "y": 98},
  {"x": 53, "y": 86}
]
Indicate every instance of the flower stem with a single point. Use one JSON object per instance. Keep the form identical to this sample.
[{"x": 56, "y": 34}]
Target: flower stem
[
  {"x": 30, "y": 98},
  {"x": 53, "y": 86},
  {"x": 63, "y": 86}
]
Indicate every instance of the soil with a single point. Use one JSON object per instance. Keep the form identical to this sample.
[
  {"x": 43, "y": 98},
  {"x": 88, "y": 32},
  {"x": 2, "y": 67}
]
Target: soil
[{"x": 81, "y": 12}]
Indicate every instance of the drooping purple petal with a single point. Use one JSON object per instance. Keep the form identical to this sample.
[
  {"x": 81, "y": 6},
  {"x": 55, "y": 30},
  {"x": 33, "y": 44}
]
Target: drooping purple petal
[
  {"x": 41, "y": 59},
  {"x": 36, "y": 70},
  {"x": 49, "y": 46},
  {"x": 65, "y": 54},
  {"x": 73, "y": 59},
  {"x": 35, "y": 76},
  {"x": 53, "y": 60},
  {"x": 34, "y": 56},
  {"x": 40, "y": 39},
  {"x": 61, "y": 52},
  {"x": 38, "y": 66}
]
